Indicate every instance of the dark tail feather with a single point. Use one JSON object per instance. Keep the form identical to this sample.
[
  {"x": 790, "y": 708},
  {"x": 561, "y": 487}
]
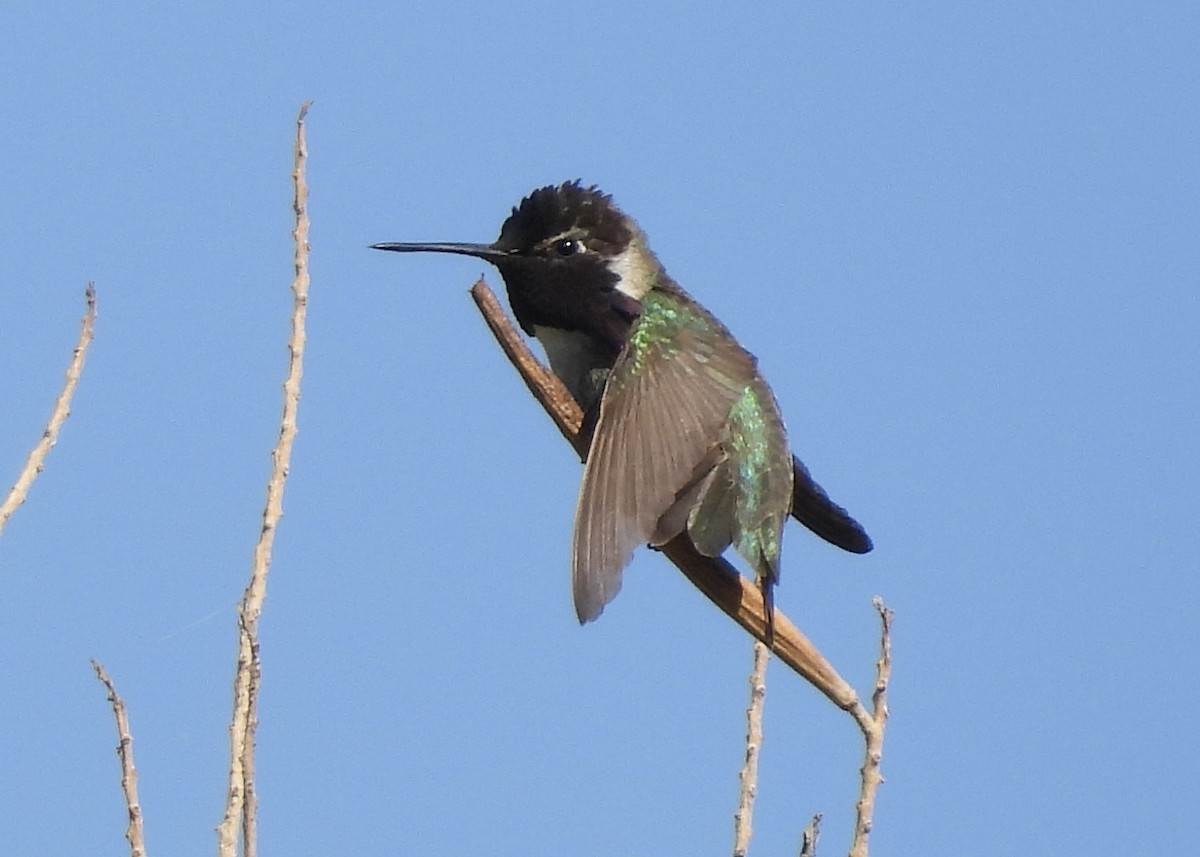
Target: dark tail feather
[
  {"x": 767, "y": 585},
  {"x": 812, "y": 507}
]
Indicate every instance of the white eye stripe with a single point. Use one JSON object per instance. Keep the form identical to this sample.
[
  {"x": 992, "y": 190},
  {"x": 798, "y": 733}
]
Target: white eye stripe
[{"x": 569, "y": 235}]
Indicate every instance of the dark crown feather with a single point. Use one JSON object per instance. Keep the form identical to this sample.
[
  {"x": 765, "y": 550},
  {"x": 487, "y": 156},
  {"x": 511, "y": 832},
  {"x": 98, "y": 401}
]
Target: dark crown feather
[{"x": 555, "y": 210}]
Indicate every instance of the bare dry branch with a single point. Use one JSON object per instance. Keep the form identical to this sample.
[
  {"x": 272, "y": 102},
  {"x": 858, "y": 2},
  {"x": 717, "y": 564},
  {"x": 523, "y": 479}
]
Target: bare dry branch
[
  {"x": 872, "y": 725},
  {"x": 240, "y": 799},
  {"x": 133, "y": 833},
  {"x": 742, "y": 826},
  {"x": 62, "y": 409}
]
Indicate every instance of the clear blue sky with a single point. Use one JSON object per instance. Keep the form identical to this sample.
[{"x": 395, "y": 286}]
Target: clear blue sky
[{"x": 963, "y": 244}]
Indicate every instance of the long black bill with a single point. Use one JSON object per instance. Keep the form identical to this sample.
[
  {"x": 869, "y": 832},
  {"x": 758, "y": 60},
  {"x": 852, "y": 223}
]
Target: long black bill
[{"x": 480, "y": 251}]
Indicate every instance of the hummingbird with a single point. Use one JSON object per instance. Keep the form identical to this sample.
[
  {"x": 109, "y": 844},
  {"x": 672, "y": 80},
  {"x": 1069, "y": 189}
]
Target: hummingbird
[{"x": 685, "y": 433}]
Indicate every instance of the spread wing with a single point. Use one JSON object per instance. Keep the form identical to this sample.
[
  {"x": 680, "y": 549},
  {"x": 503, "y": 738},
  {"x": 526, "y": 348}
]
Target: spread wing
[{"x": 661, "y": 417}]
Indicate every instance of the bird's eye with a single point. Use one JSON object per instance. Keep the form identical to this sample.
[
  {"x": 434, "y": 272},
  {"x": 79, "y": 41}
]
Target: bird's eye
[{"x": 568, "y": 247}]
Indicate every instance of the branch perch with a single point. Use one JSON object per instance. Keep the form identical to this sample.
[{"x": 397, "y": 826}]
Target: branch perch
[
  {"x": 720, "y": 582},
  {"x": 736, "y": 596}
]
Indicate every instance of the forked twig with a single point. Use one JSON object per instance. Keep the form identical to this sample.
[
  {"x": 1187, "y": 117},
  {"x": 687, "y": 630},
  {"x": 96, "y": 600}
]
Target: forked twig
[{"x": 872, "y": 725}]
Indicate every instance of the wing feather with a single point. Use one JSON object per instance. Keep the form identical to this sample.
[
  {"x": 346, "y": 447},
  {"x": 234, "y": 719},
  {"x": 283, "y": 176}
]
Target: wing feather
[{"x": 663, "y": 410}]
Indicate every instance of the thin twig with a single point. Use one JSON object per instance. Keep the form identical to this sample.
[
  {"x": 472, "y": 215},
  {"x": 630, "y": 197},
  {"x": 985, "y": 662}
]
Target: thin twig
[
  {"x": 134, "y": 832},
  {"x": 742, "y": 827},
  {"x": 62, "y": 409},
  {"x": 872, "y": 726},
  {"x": 240, "y": 800},
  {"x": 738, "y": 597}
]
